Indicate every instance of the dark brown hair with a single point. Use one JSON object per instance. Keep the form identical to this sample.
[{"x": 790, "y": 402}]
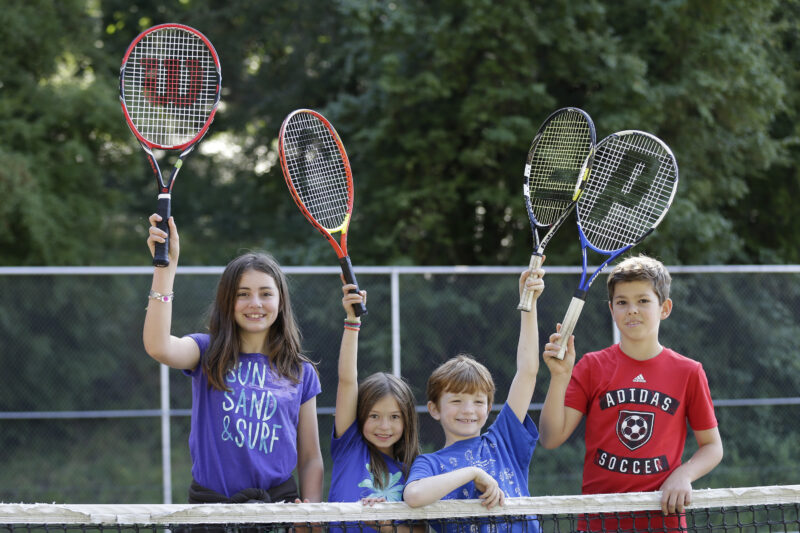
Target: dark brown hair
[
  {"x": 462, "y": 373},
  {"x": 282, "y": 345},
  {"x": 641, "y": 268},
  {"x": 370, "y": 391}
]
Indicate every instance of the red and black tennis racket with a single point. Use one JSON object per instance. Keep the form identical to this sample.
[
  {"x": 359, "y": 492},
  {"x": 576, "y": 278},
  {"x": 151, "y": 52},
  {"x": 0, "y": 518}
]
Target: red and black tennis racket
[
  {"x": 317, "y": 172},
  {"x": 169, "y": 88},
  {"x": 632, "y": 183},
  {"x": 556, "y": 169}
]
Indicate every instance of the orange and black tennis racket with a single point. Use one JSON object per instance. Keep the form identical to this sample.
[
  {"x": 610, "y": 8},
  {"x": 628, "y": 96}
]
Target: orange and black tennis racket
[{"x": 317, "y": 172}]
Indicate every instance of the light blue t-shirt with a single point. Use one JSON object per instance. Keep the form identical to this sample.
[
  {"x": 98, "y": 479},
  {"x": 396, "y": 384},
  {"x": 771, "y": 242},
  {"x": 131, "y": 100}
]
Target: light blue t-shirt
[
  {"x": 352, "y": 479},
  {"x": 504, "y": 452},
  {"x": 246, "y": 437}
]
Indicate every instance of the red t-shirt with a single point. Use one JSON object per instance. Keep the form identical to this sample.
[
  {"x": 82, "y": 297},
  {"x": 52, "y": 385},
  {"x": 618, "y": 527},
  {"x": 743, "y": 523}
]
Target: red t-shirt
[{"x": 636, "y": 414}]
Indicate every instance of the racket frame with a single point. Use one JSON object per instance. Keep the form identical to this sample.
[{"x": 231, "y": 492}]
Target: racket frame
[
  {"x": 537, "y": 256},
  {"x": 579, "y": 297},
  {"x": 164, "y": 205},
  {"x": 339, "y": 247}
]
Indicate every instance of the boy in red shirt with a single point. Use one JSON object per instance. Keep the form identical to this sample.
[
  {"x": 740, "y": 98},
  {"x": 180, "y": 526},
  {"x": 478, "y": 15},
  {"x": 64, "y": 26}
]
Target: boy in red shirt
[{"x": 637, "y": 397}]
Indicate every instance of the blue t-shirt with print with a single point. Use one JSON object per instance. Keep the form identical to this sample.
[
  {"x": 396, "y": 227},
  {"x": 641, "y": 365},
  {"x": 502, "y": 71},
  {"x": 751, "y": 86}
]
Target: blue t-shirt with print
[
  {"x": 352, "y": 479},
  {"x": 504, "y": 452}
]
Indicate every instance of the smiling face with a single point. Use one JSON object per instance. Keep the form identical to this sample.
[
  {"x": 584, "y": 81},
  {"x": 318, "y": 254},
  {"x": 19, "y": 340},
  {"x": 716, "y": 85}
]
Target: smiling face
[
  {"x": 462, "y": 414},
  {"x": 383, "y": 426},
  {"x": 257, "y": 304},
  {"x": 638, "y": 315}
]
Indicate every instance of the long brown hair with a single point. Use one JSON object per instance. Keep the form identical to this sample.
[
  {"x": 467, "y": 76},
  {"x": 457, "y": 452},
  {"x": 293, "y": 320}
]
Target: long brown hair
[
  {"x": 405, "y": 450},
  {"x": 283, "y": 341}
]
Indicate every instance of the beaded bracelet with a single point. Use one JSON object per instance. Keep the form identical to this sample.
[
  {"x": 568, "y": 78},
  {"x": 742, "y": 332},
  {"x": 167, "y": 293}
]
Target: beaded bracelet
[
  {"x": 161, "y": 297},
  {"x": 354, "y": 326}
]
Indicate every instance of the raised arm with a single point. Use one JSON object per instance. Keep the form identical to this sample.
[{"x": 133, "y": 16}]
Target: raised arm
[
  {"x": 557, "y": 421},
  {"x": 159, "y": 343},
  {"x": 347, "y": 391},
  {"x": 521, "y": 391}
]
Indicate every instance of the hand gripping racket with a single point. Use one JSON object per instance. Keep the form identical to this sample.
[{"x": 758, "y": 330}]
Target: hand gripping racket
[
  {"x": 169, "y": 88},
  {"x": 317, "y": 172},
  {"x": 632, "y": 183},
  {"x": 558, "y": 163}
]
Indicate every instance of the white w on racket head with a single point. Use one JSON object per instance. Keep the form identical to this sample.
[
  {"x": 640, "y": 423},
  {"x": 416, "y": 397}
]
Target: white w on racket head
[
  {"x": 631, "y": 186},
  {"x": 555, "y": 172}
]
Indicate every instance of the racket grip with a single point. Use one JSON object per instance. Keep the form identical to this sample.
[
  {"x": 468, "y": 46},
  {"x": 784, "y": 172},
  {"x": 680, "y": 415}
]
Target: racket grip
[
  {"x": 568, "y": 325},
  {"x": 161, "y": 255},
  {"x": 526, "y": 299},
  {"x": 350, "y": 278}
]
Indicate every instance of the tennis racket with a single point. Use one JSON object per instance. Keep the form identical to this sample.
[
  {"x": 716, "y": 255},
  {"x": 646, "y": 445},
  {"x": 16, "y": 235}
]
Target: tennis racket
[
  {"x": 169, "y": 88},
  {"x": 633, "y": 181},
  {"x": 317, "y": 172},
  {"x": 556, "y": 169}
]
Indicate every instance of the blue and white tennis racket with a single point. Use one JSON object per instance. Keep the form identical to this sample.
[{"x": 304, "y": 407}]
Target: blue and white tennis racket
[
  {"x": 631, "y": 185},
  {"x": 555, "y": 171}
]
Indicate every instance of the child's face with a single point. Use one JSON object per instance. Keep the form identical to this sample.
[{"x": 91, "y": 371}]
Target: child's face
[
  {"x": 462, "y": 414},
  {"x": 636, "y": 310},
  {"x": 384, "y": 424},
  {"x": 257, "y": 302}
]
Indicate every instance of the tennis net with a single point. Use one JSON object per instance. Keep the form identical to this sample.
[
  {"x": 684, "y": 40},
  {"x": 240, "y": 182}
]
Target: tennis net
[{"x": 751, "y": 509}]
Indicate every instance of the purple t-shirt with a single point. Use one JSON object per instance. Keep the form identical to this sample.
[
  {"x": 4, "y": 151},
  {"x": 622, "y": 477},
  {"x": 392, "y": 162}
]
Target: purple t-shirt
[{"x": 246, "y": 437}]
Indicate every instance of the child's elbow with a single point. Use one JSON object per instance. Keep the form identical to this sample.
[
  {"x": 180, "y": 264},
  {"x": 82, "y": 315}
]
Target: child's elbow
[
  {"x": 549, "y": 442},
  {"x": 412, "y": 497}
]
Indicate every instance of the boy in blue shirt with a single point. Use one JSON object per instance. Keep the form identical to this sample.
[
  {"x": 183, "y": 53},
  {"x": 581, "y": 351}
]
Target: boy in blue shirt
[{"x": 492, "y": 466}]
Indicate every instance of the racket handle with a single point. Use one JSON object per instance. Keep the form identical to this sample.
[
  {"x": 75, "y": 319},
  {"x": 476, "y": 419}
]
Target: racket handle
[
  {"x": 350, "y": 278},
  {"x": 568, "y": 325},
  {"x": 161, "y": 255},
  {"x": 526, "y": 299}
]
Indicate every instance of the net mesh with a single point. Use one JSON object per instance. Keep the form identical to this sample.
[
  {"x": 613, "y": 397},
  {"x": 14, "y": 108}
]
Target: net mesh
[
  {"x": 316, "y": 166},
  {"x": 170, "y": 85},
  {"x": 630, "y": 189},
  {"x": 554, "y": 163},
  {"x": 752, "y": 509}
]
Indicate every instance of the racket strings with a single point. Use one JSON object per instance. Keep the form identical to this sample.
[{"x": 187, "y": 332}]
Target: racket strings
[
  {"x": 170, "y": 86},
  {"x": 630, "y": 189},
  {"x": 557, "y": 159},
  {"x": 317, "y": 170}
]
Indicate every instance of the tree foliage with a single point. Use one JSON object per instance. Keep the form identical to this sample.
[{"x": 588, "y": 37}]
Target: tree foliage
[{"x": 436, "y": 104}]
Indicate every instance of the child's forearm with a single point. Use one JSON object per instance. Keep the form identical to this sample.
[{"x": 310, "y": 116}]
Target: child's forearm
[
  {"x": 311, "y": 476},
  {"x": 348, "y": 366},
  {"x": 701, "y": 463},
  {"x": 432, "y": 489},
  {"x": 528, "y": 345},
  {"x": 552, "y": 420},
  {"x": 524, "y": 383}
]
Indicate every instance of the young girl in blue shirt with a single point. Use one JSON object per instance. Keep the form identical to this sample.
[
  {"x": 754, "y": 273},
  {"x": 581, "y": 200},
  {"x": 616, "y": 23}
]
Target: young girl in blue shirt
[{"x": 375, "y": 435}]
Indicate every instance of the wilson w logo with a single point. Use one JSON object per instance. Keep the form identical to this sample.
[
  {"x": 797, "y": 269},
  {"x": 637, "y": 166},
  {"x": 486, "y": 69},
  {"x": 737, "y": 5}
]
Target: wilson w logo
[{"x": 180, "y": 86}]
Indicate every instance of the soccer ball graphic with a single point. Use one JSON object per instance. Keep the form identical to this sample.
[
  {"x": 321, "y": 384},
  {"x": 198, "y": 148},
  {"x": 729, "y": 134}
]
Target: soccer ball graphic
[{"x": 634, "y": 428}]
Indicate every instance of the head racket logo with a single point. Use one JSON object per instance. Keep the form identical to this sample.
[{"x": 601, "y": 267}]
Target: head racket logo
[
  {"x": 171, "y": 81},
  {"x": 634, "y": 428}
]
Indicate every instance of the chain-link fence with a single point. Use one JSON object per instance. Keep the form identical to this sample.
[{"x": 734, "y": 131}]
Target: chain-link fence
[{"x": 87, "y": 417}]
